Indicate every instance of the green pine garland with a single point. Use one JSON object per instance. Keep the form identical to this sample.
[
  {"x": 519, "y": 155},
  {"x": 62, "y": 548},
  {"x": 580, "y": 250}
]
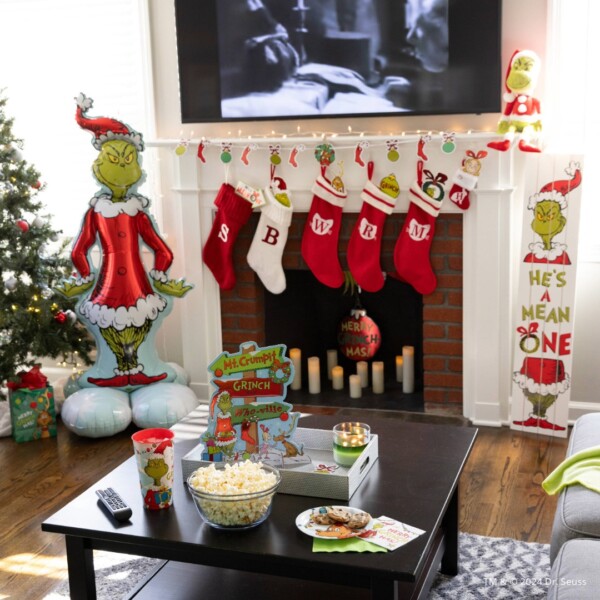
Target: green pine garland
[{"x": 30, "y": 312}]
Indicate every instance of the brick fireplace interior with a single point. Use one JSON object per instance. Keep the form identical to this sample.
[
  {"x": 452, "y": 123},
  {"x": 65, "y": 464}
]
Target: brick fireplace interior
[{"x": 437, "y": 338}]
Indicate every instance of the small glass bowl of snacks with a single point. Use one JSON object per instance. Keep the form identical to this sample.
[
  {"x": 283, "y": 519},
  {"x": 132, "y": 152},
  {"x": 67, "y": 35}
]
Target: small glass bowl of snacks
[{"x": 234, "y": 495}]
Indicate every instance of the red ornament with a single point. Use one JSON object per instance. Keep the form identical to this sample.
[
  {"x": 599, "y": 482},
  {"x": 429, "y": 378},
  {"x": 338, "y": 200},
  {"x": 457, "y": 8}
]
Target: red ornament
[
  {"x": 60, "y": 317},
  {"x": 37, "y": 185},
  {"x": 284, "y": 416},
  {"x": 23, "y": 225},
  {"x": 359, "y": 337}
]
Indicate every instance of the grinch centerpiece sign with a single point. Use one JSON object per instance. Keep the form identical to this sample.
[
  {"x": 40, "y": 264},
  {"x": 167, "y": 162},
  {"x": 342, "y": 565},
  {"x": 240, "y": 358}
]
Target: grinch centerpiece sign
[
  {"x": 248, "y": 416},
  {"x": 544, "y": 329}
]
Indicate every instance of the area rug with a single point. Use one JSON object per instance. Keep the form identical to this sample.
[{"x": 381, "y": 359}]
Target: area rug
[{"x": 489, "y": 568}]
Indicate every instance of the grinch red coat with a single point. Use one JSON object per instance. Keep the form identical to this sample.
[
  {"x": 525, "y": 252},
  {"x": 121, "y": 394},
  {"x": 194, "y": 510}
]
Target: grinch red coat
[
  {"x": 522, "y": 110},
  {"x": 122, "y": 296}
]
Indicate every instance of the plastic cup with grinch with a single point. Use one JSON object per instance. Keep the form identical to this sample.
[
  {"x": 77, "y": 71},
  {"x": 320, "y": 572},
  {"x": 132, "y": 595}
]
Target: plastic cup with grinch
[{"x": 155, "y": 462}]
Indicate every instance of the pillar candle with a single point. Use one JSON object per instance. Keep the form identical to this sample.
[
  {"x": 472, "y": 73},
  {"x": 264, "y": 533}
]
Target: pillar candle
[
  {"x": 399, "y": 368},
  {"x": 408, "y": 372},
  {"x": 355, "y": 386},
  {"x": 314, "y": 375},
  {"x": 362, "y": 368},
  {"x": 332, "y": 361},
  {"x": 377, "y": 375},
  {"x": 296, "y": 358},
  {"x": 337, "y": 377}
]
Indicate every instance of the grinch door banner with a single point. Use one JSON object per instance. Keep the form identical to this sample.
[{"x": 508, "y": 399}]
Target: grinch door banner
[{"x": 544, "y": 318}]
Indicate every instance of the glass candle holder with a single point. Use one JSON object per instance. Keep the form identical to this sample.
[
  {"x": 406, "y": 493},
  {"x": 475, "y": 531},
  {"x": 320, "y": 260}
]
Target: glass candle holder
[{"x": 349, "y": 440}]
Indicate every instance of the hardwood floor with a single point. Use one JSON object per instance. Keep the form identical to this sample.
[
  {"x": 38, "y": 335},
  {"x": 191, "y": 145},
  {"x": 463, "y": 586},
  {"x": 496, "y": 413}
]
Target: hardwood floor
[{"x": 500, "y": 495}]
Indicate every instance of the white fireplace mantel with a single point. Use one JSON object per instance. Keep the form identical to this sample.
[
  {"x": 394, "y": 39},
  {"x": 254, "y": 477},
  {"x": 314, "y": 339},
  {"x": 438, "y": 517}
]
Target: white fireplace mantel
[{"x": 491, "y": 226}]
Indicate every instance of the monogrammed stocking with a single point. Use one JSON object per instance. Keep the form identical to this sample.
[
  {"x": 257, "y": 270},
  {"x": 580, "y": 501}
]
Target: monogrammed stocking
[
  {"x": 411, "y": 253},
  {"x": 364, "y": 247},
  {"x": 232, "y": 214},
  {"x": 322, "y": 232},
  {"x": 268, "y": 243}
]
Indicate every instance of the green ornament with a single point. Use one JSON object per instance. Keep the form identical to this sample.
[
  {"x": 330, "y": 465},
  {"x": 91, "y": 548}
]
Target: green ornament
[
  {"x": 393, "y": 155},
  {"x": 225, "y": 157},
  {"x": 275, "y": 159},
  {"x": 448, "y": 147}
]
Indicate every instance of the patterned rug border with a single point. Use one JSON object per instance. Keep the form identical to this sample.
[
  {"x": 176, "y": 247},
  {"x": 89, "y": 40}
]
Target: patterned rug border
[{"x": 499, "y": 568}]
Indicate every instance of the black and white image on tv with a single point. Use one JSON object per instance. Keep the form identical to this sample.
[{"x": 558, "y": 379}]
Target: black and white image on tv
[{"x": 332, "y": 57}]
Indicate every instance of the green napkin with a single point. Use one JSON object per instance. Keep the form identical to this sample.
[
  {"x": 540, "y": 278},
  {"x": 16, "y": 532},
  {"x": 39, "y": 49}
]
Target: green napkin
[{"x": 353, "y": 544}]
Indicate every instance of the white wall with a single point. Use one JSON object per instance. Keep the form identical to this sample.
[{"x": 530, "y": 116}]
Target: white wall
[{"x": 524, "y": 26}]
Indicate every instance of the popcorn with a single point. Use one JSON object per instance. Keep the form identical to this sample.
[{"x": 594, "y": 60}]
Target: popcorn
[{"x": 239, "y": 494}]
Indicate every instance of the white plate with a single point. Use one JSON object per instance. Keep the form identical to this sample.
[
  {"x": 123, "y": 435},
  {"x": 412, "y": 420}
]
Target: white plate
[{"x": 306, "y": 525}]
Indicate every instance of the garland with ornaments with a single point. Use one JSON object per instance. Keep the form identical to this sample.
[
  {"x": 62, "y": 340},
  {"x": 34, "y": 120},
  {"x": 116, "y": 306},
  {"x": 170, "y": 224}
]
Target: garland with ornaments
[{"x": 320, "y": 239}]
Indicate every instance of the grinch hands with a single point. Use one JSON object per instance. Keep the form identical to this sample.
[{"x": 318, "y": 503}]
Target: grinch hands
[{"x": 522, "y": 111}]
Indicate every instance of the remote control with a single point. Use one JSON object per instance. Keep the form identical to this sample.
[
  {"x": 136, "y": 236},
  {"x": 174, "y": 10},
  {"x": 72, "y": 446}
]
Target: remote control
[{"x": 114, "y": 504}]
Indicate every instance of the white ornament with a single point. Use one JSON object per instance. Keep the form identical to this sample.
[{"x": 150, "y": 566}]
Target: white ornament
[{"x": 11, "y": 283}]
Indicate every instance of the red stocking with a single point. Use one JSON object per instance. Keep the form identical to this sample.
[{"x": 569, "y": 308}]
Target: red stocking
[
  {"x": 364, "y": 248},
  {"x": 246, "y": 433},
  {"x": 232, "y": 214},
  {"x": 411, "y": 253},
  {"x": 322, "y": 232}
]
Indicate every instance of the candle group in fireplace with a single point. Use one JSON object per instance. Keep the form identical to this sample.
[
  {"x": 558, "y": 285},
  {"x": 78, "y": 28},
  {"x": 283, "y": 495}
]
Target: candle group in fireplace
[{"x": 405, "y": 373}]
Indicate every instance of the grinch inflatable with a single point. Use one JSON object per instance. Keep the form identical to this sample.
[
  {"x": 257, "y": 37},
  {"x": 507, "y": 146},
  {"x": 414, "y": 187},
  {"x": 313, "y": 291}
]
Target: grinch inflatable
[{"x": 120, "y": 303}]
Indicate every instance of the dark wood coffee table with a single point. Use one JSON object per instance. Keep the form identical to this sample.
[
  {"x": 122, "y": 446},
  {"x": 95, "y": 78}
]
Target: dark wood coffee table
[{"x": 415, "y": 481}]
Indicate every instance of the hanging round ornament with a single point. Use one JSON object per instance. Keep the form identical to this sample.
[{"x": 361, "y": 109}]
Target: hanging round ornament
[
  {"x": 37, "y": 185},
  {"x": 274, "y": 150},
  {"x": 182, "y": 147},
  {"x": 325, "y": 154},
  {"x": 225, "y": 153},
  {"x": 358, "y": 335},
  {"x": 392, "y": 146},
  {"x": 11, "y": 283},
  {"x": 60, "y": 317},
  {"x": 448, "y": 145},
  {"x": 23, "y": 225}
]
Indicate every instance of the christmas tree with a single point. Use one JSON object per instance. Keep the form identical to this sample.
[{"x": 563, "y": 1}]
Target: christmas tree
[{"x": 34, "y": 321}]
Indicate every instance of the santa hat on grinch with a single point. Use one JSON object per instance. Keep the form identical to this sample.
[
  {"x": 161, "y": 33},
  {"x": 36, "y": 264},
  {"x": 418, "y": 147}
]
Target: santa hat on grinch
[
  {"x": 534, "y": 72},
  {"x": 558, "y": 190},
  {"x": 104, "y": 128}
]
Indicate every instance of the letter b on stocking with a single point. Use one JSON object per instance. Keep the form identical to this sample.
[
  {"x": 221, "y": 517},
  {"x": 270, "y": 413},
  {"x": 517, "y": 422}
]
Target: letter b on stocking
[{"x": 271, "y": 236}]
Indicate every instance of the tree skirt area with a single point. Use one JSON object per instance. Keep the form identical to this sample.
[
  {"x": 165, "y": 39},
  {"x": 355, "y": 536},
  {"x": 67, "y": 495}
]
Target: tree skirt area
[{"x": 489, "y": 568}]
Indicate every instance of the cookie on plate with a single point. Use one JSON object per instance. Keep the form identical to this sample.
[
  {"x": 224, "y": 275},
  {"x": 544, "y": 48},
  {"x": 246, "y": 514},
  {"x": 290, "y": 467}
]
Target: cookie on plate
[
  {"x": 358, "y": 520},
  {"x": 338, "y": 514},
  {"x": 322, "y": 519}
]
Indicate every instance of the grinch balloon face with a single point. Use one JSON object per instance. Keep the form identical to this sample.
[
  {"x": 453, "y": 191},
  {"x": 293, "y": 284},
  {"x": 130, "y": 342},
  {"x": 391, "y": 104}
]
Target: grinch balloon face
[
  {"x": 121, "y": 304},
  {"x": 117, "y": 167}
]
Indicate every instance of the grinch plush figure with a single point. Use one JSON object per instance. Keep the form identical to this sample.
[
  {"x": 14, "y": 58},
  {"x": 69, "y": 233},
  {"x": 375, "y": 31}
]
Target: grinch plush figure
[
  {"x": 119, "y": 302},
  {"x": 522, "y": 113}
]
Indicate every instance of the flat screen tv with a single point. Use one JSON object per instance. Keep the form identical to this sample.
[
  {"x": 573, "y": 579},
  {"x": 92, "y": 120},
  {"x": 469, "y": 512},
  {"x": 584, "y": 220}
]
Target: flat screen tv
[{"x": 289, "y": 59}]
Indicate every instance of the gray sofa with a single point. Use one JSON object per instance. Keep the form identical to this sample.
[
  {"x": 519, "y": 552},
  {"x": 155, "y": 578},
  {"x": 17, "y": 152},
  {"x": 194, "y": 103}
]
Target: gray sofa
[{"x": 575, "y": 543}]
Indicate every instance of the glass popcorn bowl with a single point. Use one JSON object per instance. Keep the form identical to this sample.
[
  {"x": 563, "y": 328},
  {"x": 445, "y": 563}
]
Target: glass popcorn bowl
[{"x": 234, "y": 496}]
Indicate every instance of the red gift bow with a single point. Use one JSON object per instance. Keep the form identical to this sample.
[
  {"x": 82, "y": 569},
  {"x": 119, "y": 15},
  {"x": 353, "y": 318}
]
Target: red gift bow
[
  {"x": 33, "y": 379},
  {"x": 480, "y": 154},
  {"x": 527, "y": 331},
  {"x": 439, "y": 178}
]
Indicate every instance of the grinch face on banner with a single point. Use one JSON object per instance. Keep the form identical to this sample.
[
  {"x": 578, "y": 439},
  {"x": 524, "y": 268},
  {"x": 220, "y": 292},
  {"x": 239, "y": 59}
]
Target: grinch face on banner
[
  {"x": 549, "y": 221},
  {"x": 117, "y": 166}
]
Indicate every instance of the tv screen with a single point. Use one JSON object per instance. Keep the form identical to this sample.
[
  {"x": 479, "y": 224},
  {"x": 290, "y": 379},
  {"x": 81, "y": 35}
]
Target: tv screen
[{"x": 282, "y": 59}]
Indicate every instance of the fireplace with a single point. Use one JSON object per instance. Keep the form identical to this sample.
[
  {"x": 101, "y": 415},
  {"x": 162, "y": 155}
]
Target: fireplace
[
  {"x": 467, "y": 321},
  {"x": 307, "y": 313}
]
